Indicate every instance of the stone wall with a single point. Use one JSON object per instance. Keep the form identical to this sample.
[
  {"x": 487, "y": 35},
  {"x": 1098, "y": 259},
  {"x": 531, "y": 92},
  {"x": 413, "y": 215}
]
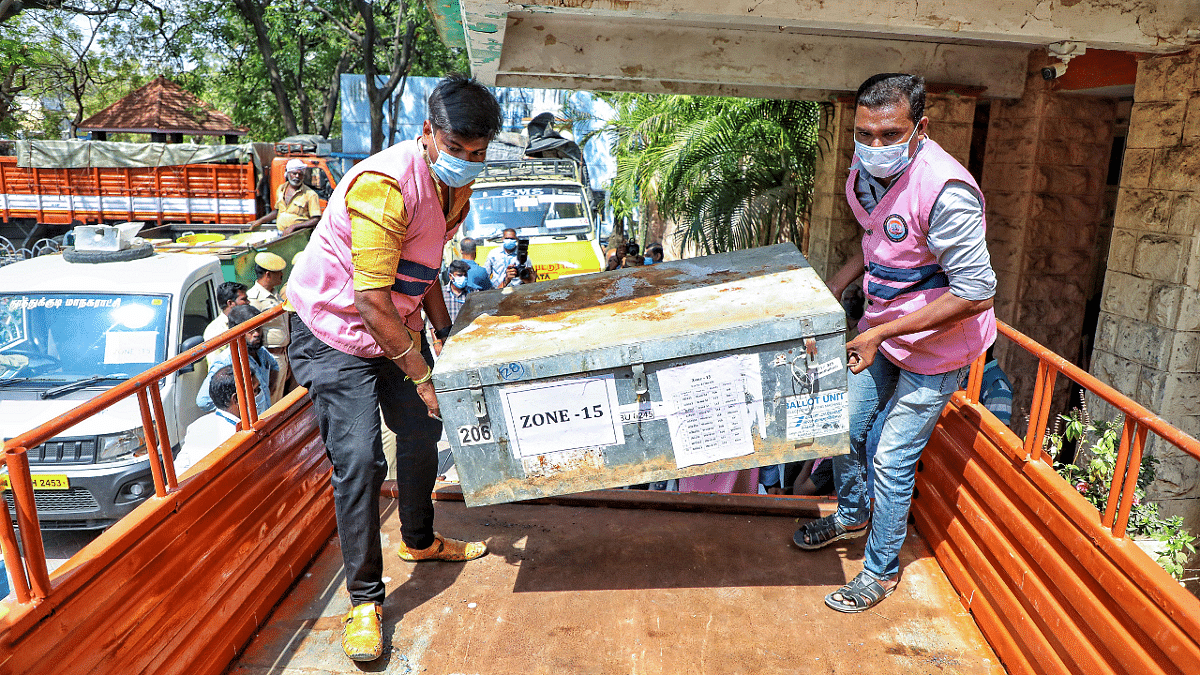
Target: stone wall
[
  {"x": 1044, "y": 181},
  {"x": 1148, "y": 342}
]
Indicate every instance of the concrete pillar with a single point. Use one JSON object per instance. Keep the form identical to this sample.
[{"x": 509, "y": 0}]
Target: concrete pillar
[
  {"x": 834, "y": 234},
  {"x": 1148, "y": 342},
  {"x": 1044, "y": 177}
]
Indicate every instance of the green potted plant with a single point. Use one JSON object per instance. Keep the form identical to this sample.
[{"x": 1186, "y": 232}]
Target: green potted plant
[{"x": 1164, "y": 539}]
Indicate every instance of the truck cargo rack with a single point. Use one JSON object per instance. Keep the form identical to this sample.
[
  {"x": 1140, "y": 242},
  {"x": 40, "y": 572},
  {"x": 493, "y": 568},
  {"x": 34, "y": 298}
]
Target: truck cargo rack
[{"x": 531, "y": 169}]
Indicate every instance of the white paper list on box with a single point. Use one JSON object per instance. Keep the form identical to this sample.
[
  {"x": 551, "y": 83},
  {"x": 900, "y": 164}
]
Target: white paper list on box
[{"x": 710, "y": 413}]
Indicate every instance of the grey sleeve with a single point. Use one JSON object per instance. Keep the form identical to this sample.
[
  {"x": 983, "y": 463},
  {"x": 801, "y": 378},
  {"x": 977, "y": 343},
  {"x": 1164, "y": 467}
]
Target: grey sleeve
[{"x": 956, "y": 238}]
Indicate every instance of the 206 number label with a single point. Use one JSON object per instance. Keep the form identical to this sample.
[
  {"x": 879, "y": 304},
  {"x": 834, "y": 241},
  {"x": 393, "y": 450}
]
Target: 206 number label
[{"x": 475, "y": 434}]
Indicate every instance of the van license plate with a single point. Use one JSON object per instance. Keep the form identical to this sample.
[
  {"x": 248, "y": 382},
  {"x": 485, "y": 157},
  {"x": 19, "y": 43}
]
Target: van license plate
[{"x": 41, "y": 481}]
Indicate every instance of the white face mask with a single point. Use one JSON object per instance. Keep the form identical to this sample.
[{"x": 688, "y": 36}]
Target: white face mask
[{"x": 888, "y": 160}]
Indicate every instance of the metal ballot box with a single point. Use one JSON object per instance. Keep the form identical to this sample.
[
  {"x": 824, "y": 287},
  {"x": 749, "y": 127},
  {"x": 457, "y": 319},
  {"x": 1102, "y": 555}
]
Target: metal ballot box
[{"x": 683, "y": 368}]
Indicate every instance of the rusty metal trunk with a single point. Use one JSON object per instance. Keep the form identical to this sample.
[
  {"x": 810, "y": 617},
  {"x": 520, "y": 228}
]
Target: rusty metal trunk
[{"x": 712, "y": 364}]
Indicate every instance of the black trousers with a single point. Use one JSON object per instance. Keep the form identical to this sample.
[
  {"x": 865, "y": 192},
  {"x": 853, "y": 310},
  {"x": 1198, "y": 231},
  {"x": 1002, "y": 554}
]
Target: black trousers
[{"x": 348, "y": 392}]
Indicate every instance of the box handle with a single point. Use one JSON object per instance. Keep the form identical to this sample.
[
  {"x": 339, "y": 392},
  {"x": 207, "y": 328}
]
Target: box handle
[
  {"x": 476, "y": 384},
  {"x": 636, "y": 363}
]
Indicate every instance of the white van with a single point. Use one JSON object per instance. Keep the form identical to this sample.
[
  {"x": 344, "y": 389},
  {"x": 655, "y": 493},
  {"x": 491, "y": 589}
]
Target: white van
[{"x": 71, "y": 330}]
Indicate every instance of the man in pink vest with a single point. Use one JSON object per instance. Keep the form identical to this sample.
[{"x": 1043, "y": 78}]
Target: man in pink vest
[
  {"x": 357, "y": 341},
  {"x": 929, "y": 286}
]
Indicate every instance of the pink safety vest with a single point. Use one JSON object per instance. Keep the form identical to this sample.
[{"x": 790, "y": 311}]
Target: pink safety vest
[
  {"x": 321, "y": 288},
  {"x": 902, "y": 274}
]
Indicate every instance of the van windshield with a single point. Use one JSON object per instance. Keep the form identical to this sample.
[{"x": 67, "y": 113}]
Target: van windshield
[
  {"x": 531, "y": 211},
  {"x": 53, "y": 338}
]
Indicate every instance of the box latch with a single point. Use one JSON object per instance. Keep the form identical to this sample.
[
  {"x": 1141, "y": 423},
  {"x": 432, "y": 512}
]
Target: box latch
[
  {"x": 638, "y": 366},
  {"x": 476, "y": 385}
]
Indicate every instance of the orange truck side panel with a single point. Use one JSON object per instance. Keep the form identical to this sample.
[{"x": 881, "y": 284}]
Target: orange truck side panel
[
  {"x": 1052, "y": 589},
  {"x": 194, "y": 193},
  {"x": 264, "y": 509}
]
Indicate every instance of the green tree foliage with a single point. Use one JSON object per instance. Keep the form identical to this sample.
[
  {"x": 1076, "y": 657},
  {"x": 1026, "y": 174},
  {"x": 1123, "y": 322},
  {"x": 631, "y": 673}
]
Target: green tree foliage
[
  {"x": 394, "y": 38},
  {"x": 274, "y": 66},
  {"x": 734, "y": 173}
]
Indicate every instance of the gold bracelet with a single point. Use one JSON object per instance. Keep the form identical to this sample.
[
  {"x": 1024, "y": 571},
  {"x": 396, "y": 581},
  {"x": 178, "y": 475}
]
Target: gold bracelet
[
  {"x": 405, "y": 352},
  {"x": 423, "y": 380}
]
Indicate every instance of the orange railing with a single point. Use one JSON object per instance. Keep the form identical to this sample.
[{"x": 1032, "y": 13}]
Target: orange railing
[
  {"x": 1138, "y": 421},
  {"x": 27, "y": 564}
]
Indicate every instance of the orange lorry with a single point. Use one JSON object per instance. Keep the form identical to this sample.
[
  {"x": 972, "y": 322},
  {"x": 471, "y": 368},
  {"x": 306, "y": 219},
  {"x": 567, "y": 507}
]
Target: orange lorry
[
  {"x": 234, "y": 567},
  {"x": 46, "y": 186}
]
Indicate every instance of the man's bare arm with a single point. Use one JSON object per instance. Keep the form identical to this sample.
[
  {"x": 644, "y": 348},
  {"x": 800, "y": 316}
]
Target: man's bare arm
[
  {"x": 946, "y": 309},
  {"x": 386, "y": 325}
]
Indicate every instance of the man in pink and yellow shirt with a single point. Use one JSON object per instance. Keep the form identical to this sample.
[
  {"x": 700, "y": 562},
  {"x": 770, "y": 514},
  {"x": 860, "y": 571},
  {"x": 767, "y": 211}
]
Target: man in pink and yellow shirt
[
  {"x": 929, "y": 285},
  {"x": 357, "y": 342}
]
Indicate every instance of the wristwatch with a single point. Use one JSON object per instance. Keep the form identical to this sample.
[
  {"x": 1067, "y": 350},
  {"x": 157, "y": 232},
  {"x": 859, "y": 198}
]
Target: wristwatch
[{"x": 442, "y": 334}]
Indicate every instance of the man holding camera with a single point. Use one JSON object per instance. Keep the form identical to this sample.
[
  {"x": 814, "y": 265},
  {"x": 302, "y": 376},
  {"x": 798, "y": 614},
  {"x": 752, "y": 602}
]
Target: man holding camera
[
  {"x": 504, "y": 264},
  {"x": 357, "y": 339}
]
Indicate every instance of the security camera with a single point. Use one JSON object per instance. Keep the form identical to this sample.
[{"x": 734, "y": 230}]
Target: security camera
[{"x": 1054, "y": 72}]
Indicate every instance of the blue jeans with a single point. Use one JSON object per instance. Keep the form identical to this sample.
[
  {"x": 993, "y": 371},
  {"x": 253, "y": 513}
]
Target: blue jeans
[{"x": 910, "y": 405}]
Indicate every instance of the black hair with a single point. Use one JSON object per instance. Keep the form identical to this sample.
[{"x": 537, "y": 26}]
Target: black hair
[
  {"x": 462, "y": 106},
  {"x": 259, "y": 271},
  {"x": 458, "y": 266},
  {"x": 222, "y": 388},
  {"x": 654, "y": 249},
  {"x": 467, "y": 245},
  {"x": 241, "y": 314},
  {"x": 507, "y": 230},
  {"x": 228, "y": 292},
  {"x": 887, "y": 89}
]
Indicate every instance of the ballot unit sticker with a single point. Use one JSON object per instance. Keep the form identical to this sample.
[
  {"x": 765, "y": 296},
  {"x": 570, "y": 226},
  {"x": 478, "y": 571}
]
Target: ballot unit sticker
[
  {"x": 821, "y": 414},
  {"x": 561, "y": 415}
]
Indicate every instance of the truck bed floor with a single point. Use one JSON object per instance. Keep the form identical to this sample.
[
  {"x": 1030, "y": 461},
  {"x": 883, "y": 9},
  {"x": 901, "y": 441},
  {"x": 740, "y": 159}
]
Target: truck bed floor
[{"x": 602, "y": 590}]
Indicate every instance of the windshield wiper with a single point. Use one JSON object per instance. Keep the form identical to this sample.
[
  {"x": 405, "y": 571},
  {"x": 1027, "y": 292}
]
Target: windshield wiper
[
  {"x": 15, "y": 380},
  {"x": 81, "y": 384}
]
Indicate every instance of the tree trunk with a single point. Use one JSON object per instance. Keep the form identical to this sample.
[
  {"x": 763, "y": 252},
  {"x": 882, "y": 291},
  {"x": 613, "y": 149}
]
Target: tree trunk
[
  {"x": 333, "y": 95},
  {"x": 400, "y": 62},
  {"x": 252, "y": 13}
]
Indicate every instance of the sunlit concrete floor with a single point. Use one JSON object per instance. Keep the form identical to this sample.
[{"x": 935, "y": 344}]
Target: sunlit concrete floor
[{"x": 605, "y": 590}]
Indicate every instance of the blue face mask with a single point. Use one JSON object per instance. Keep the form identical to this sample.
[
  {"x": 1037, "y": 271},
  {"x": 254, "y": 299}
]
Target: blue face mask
[
  {"x": 885, "y": 161},
  {"x": 510, "y": 245},
  {"x": 453, "y": 171},
  {"x": 648, "y": 260},
  {"x": 459, "y": 282}
]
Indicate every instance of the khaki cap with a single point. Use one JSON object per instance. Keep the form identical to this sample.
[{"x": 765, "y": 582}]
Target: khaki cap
[{"x": 270, "y": 261}]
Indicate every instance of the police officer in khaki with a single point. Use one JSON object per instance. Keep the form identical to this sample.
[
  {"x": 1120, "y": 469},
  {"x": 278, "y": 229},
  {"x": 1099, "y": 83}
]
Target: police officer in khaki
[{"x": 268, "y": 269}]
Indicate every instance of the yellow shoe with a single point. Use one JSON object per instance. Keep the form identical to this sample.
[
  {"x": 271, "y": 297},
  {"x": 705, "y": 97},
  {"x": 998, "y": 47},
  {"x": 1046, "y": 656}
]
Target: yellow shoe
[
  {"x": 362, "y": 639},
  {"x": 444, "y": 549}
]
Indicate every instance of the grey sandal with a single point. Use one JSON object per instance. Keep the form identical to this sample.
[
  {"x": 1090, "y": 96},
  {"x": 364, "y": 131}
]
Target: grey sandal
[
  {"x": 824, "y": 531},
  {"x": 864, "y": 592}
]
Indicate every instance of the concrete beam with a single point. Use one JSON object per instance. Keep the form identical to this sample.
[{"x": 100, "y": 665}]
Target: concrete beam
[
  {"x": 1133, "y": 25},
  {"x": 877, "y": 30},
  {"x": 556, "y": 50},
  {"x": 484, "y": 26}
]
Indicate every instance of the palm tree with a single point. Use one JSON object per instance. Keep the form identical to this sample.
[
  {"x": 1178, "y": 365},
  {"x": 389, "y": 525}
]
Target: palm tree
[{"x": 732, "y": 173}]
